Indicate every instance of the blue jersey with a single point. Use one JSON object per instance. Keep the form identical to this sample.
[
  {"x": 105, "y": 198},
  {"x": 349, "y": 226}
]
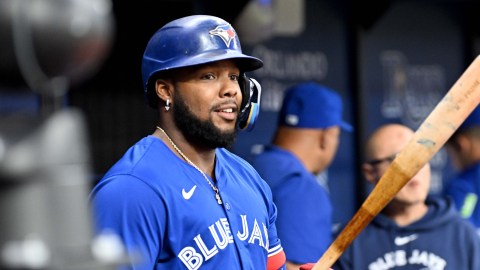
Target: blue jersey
[
  {"x": 440, "y": 240},
  {"x": 304, "y": 220},
  {"x": 167, "y": 215},
  {"x": 465, "y": 192}
]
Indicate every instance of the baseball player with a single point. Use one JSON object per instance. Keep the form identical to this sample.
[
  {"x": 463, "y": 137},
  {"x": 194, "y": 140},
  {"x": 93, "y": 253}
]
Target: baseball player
[
  {"x": 304, "y": 145},
  {"x": 177, "y": 198}
]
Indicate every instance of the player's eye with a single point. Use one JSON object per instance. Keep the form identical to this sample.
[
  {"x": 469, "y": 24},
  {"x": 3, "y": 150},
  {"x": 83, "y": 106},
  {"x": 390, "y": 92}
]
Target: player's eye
[
  {"x": 389, "y": 159},
  {"x": 208, "y": 76},
  {"x": 234, "y": 77}
]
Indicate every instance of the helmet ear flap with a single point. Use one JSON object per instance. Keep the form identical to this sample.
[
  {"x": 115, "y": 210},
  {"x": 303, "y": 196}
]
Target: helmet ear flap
[
  {"x": 244, "y": 87},
  {"x": 250, "y": 106}
]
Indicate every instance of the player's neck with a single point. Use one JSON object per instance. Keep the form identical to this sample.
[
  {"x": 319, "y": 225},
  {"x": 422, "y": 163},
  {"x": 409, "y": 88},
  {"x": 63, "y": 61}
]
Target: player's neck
[
  {"x": 406, "y": 214},
  {"x": 203, "y": 158}
]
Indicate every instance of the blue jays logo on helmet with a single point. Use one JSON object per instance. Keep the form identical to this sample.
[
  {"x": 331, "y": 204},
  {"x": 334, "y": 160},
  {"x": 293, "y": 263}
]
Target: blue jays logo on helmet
[{"x": 225, "y": 31}]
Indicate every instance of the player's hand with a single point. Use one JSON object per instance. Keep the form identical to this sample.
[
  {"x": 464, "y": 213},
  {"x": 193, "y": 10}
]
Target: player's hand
[{"x": 308, "y": 266}]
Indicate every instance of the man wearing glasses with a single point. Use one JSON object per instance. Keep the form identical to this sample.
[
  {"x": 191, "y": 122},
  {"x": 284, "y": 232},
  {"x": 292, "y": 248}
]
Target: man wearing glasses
[{"x": 415, "y": 230}]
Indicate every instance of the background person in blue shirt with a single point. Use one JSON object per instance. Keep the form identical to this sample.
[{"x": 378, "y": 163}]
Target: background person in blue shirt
[
  {"x": 304, "y": 144},
  {"x": 464, "y": 150},
  {"x": 414, "y": 231}
]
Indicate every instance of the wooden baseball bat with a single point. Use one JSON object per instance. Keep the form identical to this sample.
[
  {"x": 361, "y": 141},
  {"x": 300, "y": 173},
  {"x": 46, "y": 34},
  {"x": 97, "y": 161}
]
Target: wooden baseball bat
[{"x": 462, "y": 98}]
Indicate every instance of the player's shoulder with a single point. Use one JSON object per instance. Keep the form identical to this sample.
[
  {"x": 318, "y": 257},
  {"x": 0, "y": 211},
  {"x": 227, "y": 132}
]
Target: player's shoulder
[
  {"x": 136, "y": 168},
  {"x": 143, "y": 156},
  {"x": 119, "y": 188},
  {"x": 447, "y": 214},
  {"x": 274, "y": 156},
  {"x": 232, "y": 159}
]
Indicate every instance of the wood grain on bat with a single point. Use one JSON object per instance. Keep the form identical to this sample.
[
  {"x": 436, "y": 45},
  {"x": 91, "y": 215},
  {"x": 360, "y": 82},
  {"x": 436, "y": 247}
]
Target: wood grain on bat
[{"x": 436, "y": 129}]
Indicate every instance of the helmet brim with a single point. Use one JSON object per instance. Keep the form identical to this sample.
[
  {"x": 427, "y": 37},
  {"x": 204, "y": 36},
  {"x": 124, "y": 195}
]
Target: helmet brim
[{"x": 245, "y": 62}]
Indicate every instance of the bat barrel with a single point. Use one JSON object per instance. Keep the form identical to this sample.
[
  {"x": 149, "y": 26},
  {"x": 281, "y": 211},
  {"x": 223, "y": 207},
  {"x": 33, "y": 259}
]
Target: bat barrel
[{"x": 459, "y": 102}]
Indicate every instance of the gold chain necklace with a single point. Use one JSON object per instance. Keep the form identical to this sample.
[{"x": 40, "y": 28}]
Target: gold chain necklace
[{"x": 215, "y": 189}]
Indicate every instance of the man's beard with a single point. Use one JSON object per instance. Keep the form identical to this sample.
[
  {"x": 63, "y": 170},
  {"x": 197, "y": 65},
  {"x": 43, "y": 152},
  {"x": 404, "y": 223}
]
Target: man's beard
[{"x": 197, "y": 131}]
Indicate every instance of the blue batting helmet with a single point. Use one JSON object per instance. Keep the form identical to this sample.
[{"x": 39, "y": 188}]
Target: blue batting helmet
[{"x": 189, "y": 41}]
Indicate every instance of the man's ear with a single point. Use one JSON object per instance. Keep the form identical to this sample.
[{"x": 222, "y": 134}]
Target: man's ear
[
  {"x": 163, "y": 89},
  {"x": 329, "y": 137},
  {"x": 322, "y": 139}
]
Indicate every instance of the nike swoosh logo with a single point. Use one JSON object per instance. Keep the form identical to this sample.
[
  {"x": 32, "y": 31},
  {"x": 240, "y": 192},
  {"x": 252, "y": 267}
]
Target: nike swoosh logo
[
  {"x": 400, "y": 241},
  {"x": 188, "y": 194}
]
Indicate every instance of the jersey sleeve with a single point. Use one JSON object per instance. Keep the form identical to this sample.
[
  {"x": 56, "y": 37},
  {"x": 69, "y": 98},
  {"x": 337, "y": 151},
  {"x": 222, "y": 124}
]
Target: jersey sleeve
[{"x": 128, "y": 207}]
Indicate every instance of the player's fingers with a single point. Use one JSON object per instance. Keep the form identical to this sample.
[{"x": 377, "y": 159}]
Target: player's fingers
[{"x": 308, "y": 266}]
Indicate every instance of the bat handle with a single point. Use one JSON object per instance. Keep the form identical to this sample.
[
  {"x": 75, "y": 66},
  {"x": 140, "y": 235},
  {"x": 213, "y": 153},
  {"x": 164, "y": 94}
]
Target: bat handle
[
  {"x": 327, "y": 260},
  {"x": 362, "y": 217}
]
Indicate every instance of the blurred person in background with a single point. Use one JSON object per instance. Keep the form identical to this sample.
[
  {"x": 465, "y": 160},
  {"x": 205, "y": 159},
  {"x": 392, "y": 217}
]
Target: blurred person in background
[
  {"x": 304, "y": 145},
  {"x": 415, "y": 230},
  {"x": 463, "y": 147}
]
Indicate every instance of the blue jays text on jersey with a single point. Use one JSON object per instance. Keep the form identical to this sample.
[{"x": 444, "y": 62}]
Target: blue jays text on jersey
[
  {"x": 220, "y": 233},
  {"x": 402, "y": 258},
  {"x": 165, "y": 211}
]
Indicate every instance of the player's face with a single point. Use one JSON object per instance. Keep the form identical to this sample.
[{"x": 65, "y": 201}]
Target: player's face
[
  {"x": 206, "y": 103},
  {"x": 382, "y": 148}
]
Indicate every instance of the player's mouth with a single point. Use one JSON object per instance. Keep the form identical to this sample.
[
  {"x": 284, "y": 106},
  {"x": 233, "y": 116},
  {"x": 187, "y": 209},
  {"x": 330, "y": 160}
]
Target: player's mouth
[
  {"x": 413, "y": 183},
  {"x": 227, "y": 112}
]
